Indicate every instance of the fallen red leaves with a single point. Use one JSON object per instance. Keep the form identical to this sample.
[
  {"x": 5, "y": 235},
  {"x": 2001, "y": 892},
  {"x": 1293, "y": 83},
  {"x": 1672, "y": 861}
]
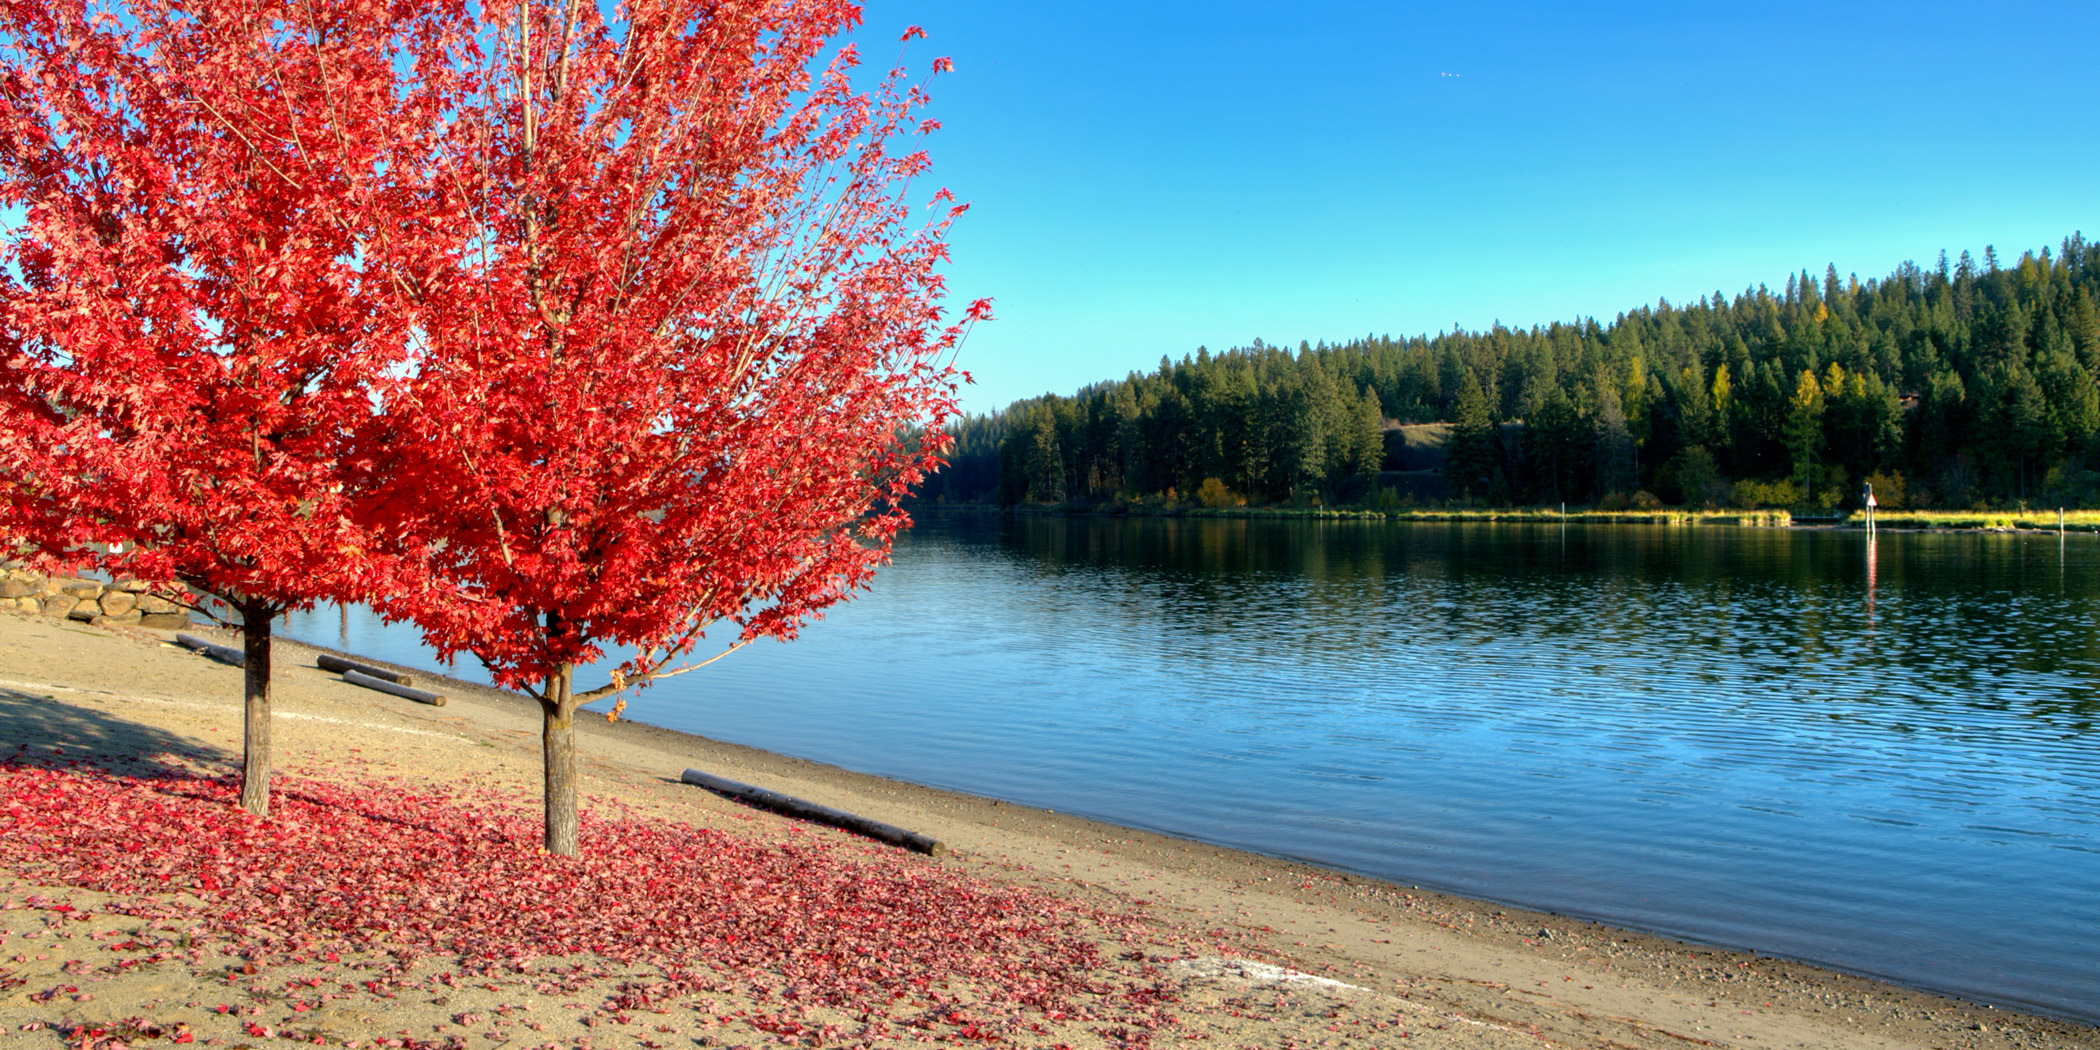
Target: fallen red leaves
[{"x": 385, "y": 876}]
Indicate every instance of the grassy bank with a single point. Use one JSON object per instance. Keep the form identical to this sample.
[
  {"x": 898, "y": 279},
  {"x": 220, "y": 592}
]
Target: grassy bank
[
  {"x": 1994, "y": 520},
  {"x": 1503, "y": 515},
  {"x": 2087, "y": 521}
]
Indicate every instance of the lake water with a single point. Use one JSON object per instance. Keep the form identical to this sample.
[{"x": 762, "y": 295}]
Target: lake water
[{"x": 1874, "y": 754}]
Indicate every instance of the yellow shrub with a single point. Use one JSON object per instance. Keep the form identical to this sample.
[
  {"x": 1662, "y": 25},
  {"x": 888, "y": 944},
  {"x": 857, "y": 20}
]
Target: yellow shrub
[{"x": 1213, "y": 493}]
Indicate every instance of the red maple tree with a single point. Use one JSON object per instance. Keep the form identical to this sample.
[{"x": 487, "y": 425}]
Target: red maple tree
[
  {"x": 195, "y": 299},
  {"x": 684, "y": 352}
]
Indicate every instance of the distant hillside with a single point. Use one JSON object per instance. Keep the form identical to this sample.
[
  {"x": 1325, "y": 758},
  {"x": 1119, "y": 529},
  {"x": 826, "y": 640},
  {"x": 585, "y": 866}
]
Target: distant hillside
[
  {"x": 1417, "y": 446},
  {"x": 1963, "y": 383}
]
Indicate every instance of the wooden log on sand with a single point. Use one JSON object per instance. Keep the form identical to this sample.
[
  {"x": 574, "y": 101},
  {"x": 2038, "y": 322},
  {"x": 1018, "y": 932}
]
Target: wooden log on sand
[
  {"x": 805, "y": 810},
  {"x": 332, "y": 662},
  {"x": 421, "y": 696},
  {"x": 225, "y": 654}
]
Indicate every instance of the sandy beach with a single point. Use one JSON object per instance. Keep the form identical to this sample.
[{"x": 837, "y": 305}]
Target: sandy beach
[{"x": 1163, "y": 941}]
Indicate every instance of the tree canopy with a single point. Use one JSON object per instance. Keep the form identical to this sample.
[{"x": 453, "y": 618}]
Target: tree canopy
[
  {"x": 195, "y": 299},
  {"x": 681, "y": 325}
]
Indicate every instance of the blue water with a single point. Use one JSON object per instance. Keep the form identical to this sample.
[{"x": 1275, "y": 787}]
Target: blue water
[{"x": 1877, "y": 755}]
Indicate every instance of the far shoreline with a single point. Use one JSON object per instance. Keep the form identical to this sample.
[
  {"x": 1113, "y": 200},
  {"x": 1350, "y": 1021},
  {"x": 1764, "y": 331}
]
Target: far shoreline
[{"x": 1984, "y": 521}]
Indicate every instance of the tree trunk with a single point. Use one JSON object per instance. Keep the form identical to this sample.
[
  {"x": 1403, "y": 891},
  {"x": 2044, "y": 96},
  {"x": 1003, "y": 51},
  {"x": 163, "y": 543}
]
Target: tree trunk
[
  {"x": 255, "y": 676},
  {"x": 558, "y": 746}
]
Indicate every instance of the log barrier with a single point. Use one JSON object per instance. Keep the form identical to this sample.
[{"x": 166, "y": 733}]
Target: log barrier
[
  {"x": 421, "y": 696},
  {"x": 332, "y": 662},
  {"x": 794, "y": 807},
  {"x": 225, "y": 654}
]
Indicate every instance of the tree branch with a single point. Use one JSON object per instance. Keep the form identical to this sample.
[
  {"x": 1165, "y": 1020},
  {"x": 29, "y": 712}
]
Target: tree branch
[{"x": 619, "y": 684}]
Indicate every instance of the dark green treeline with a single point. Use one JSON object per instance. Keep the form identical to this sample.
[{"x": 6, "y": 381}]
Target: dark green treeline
[{"x": 1963, "y": 383}]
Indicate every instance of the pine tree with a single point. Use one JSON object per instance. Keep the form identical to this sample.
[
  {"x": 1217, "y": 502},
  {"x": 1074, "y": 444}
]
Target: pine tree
[
  {"x": 1367, "y": 444},
  {"x": 1473, "y": 457},
  {"x": 1804, "y": 429},
  {"x": 1615, "y": 450},
  {"x": 1557, "y": 443}
]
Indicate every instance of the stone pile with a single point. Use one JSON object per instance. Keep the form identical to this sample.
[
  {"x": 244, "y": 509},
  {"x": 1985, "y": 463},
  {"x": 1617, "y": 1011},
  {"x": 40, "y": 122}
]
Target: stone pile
[{"x": 131, "y": 602}]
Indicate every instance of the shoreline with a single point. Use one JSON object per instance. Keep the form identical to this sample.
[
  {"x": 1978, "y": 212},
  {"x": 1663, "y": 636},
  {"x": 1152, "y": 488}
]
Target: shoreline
[
  {"x": 1909, "y": 521},
  {"x": 1481, "y": 960}
]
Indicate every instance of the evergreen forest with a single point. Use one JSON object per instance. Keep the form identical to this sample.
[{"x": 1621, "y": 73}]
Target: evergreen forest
[{"x": 1967, "y": 384}]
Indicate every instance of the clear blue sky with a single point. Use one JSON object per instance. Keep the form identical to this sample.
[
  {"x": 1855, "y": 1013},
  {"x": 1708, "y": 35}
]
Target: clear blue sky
[{"x": 1147, "y": 177}]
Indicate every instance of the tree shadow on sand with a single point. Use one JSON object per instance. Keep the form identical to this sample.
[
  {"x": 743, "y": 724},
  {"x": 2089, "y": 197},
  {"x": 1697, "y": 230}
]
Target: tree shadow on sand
[
  {"x": 48, "y": 727},
  {"x": 47, "y": 732}
]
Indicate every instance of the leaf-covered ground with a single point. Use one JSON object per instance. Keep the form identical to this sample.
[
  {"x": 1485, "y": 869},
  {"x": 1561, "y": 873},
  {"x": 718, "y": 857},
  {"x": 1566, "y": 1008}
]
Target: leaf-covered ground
[{"x": 357, "y": 894}]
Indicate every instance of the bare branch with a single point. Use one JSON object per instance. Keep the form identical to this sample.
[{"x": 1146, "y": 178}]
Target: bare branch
[{"x": 619, "y": 685}]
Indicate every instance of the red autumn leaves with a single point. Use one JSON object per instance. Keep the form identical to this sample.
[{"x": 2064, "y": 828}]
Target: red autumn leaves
[{"x": 387, "y": 876}]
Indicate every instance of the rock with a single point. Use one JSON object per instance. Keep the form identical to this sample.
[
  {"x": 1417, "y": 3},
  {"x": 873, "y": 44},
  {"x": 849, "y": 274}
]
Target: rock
[
  {"x": 165, "y": 621},
  {"x": 84, "y": 589},
  {"x": 84, "y": 611},
  {"x": 128, "y": 619},
  {"x": 57, "y": 606},
  {"x": 117, "y": 603},
  {"x": 27, "y": 605},
  {"x": 15, "y": 587},
  {"x": 153, "y": 603},
  {"x": 133, "y": 586}
]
